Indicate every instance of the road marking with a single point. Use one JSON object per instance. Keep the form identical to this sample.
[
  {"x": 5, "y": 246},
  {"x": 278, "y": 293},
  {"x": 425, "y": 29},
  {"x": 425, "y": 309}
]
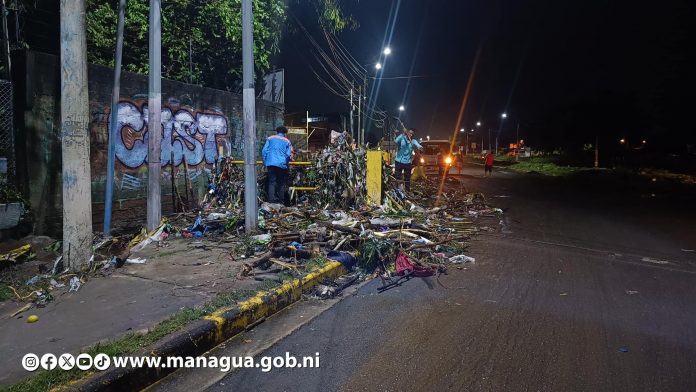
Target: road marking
[{"x": 655, "y": 261}]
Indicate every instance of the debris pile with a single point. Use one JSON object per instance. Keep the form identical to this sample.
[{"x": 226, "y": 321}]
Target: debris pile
[{"x": 407, "y": 236}]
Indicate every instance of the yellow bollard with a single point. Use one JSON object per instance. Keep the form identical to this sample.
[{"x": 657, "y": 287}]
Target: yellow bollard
[{"x": 374, "y": 177}]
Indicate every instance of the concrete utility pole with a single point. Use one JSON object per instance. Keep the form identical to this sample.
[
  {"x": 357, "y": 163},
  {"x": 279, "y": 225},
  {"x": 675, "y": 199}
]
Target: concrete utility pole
[
  {"x": 74, "y": 112},
  {"x": 359, "y": 114},
  {"x": 249, "y": 104},
  {"x": 351, "y": 112},
  {"x": 154, "y": 119},
  {"x": 113, "y": 121},
  {"x": 596, "y": 152},
  {"x": 6, "y": 44},
  {"x": 517, "y": 144}
]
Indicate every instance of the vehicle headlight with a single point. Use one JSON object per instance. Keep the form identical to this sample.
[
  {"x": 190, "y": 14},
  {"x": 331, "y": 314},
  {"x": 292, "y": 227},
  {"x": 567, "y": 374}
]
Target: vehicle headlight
[
  {"x": 448, "y": 160},
  {"x": 422, "y": 160}
]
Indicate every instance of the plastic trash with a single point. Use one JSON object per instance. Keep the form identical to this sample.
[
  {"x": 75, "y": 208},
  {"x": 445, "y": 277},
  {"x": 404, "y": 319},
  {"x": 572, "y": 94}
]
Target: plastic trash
[
  {"x": 136, "y": 260},
  {"x": 461, "y": 259},
  {"x": 389, "y": 222},
  {"x": 345, "y": 258},
  {"x": 155, "y": 237},
  {"x": 422, "y": 241},
  {"x": 216, "y": 216},
  {"x": 262, "y": 238},
  {"x": 296, "y": 245},
  {"x": 33, "y": 280},
  {"x": 56, "y": 285},
  {"x": 74, "y": 284}
]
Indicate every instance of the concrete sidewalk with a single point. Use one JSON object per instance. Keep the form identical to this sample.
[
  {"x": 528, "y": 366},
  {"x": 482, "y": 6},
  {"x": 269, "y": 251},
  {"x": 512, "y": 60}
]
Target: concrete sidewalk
[{"x": 134, "y": 298}]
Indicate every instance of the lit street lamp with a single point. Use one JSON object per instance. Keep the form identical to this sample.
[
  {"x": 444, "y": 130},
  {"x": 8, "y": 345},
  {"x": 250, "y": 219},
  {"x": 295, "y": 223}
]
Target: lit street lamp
[
  {"x": 428, "y": 137},
  {"x": 387, "y": 51},
  {"x": 478, "y": 124},
  {"x": 402, "y": 108},
  {"x": 378, "y": 66}
]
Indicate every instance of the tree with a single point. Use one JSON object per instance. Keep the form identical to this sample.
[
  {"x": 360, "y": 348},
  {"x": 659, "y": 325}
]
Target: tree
[{"x": 206, "y": 32}]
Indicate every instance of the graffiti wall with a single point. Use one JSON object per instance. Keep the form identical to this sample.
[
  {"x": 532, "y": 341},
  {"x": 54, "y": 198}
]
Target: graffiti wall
[
  {"x": 188, "y": 135},
  {"x": 198, "y": 124}
]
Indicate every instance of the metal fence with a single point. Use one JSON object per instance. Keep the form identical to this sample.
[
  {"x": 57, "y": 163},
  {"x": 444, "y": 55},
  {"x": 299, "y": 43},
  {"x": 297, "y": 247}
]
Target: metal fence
[{"x": 7, "y": 149}]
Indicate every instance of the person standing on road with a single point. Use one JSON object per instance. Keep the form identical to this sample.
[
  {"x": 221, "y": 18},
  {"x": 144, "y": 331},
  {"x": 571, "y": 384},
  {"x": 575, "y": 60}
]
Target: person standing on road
[
  {"x": 277, "y": 153},
  {"x": 488, "y": 164},
  {"x": 404, "y": 157}
]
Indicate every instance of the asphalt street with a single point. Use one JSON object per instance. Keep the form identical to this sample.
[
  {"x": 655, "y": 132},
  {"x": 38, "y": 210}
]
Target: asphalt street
[{"x": 587, "y": 284}]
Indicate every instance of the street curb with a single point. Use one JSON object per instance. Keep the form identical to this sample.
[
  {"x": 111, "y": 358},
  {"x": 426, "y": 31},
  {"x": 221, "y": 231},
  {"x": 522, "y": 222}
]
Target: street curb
[{"x": 202, "y": 335}]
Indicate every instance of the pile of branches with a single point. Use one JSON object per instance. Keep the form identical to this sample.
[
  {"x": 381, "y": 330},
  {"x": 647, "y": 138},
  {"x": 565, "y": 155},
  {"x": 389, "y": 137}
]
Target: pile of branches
[{"x": 339, "y": 173}]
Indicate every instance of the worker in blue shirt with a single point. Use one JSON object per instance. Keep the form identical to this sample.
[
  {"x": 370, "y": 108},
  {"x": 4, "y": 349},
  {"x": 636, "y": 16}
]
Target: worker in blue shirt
[
  {"x": 405, "y": 144},
  {"x": 277, "y": 153}
]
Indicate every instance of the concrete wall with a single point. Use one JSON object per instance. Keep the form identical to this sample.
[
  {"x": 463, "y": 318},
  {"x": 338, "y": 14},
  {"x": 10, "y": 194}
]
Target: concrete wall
[{"x": 198, "y": 123}]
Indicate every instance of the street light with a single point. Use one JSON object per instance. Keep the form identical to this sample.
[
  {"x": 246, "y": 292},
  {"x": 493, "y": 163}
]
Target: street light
[
  {"x": 378, "y": 65},
  {"x": 387, "y": 51},
  {"x": 622, "y": 141},
  {"x": 504, "y": 115},
  {"x": 428, "y": 137},
  {"x": 402, "y": 108},
  {"x": 478, "y": 124}
]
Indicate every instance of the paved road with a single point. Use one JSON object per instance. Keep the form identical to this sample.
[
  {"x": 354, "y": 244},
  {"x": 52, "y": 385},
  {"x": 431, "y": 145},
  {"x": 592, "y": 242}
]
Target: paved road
[{"x": 585, "y": 288}]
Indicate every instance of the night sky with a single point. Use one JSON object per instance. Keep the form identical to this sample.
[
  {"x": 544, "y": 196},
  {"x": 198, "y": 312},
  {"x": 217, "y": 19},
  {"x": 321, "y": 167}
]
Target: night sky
[{"x": 567, "y": 71}]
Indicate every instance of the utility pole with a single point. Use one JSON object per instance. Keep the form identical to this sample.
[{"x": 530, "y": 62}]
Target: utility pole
[
  {"x": 596, "y": 152},
  {"x": 351, "y": 111},
  {"x": 249, "y": 104},
  {"x": 517, "y": 144},
  {"x": 360, "y": 93},
  {"x": 74, "y": 111},
  {"x": 489, "y": 140},
  {"x": 154, "y": 123},
  {"x": 6, "y": 44},
  {"x": 113, "y": 121}
]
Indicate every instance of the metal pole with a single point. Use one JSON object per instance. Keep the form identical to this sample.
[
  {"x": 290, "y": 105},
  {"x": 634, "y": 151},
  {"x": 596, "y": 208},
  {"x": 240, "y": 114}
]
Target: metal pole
[
  {"x": 362, "y": 131},
  {"x": 154, "y": 122},
  {"x": 74, "y": 110},
  {"x": 113, "y": 121},
  {"x": 596, "y": 152},
  {"x": 360, "y": 93},
  {"x": 466, "y": 148},
  {"x": 307, "y": 129},
  {"x": 489, "y": 140},
  {"x": 6, "y": 44},
  {"x": 517, "y": 144},
  {"x": 249, "y": 104},
  {"x": 351, "y": 111}
]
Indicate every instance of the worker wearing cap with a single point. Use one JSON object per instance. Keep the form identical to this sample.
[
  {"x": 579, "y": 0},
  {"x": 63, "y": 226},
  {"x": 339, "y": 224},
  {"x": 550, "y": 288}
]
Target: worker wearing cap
[{"x": 277, "y": 153}]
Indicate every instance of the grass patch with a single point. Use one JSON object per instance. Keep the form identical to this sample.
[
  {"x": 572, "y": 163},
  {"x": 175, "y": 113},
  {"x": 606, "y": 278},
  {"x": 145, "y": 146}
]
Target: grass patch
[
  {"x": 543, "y": 165},
  {"x": 5, "y": 292},
  {"x": 130, "y": 343},
  {"x": 315, "y": 263}
]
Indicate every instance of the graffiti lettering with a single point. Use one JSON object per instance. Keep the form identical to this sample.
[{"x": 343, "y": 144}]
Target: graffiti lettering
[{"x": 191, "y": 137}]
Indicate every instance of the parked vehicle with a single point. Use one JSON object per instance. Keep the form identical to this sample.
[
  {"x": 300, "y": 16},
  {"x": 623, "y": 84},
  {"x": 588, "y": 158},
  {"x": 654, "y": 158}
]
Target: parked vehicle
[{"x": 436, "y": 155}]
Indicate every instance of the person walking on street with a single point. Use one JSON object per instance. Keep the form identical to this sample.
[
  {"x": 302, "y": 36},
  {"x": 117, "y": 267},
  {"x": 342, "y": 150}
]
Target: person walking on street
[
  {"x": 404, "y": 157},
  {"x": 277, "y": 153},
  {"x": 488, "y": 164}
]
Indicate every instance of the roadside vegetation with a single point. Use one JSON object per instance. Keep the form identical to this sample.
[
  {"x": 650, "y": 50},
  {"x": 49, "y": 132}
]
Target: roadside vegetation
[{"x": 548, "y": 166}]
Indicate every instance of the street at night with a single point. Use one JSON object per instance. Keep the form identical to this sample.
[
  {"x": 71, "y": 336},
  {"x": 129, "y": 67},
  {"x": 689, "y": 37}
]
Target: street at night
[
  {"x": 345, "y": 195},
  {"x": 579, "y": 289}
]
